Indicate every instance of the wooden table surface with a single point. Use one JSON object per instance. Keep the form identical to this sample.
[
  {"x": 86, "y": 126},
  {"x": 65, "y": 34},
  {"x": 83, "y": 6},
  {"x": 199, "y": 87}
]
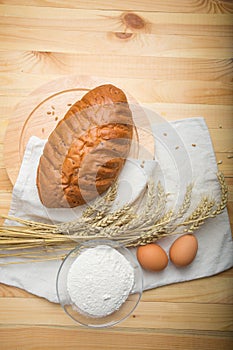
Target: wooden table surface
[{"x": 176, "y": 58}]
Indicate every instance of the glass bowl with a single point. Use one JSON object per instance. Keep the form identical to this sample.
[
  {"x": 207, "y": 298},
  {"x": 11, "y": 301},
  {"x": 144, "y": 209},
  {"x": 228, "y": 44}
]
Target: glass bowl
[{"x": 90, "y": 320}]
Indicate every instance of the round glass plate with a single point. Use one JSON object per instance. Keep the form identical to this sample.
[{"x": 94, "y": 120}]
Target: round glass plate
[{"x": 117, "y": 316}]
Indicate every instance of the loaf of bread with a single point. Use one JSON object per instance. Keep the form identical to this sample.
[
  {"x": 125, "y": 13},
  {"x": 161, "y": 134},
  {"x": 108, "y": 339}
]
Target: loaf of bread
[{"x": 87, "y": 150}]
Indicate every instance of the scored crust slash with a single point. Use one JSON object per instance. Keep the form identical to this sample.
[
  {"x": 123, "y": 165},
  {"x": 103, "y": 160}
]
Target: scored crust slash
[{"x": 86, "y": 151}]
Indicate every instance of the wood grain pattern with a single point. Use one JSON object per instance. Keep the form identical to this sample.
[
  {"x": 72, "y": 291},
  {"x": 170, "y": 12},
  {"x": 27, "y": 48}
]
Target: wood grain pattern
[
  {"x": 137, "y": 339},
  {"x": 113, "y": 34},
  {"x": 117, "y": 21},
  {"x": 182, "y": 6},
  {"x": 31, "y": 62},
  {"x": 175, "y": 57},
  {"x": 115, "y": 44},
  {"x": 204, "y": 316},
  {"x": 145, "y": 90}
]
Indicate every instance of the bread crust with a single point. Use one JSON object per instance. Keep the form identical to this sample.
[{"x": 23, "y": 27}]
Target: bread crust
[{"x": 86, "y": 151}]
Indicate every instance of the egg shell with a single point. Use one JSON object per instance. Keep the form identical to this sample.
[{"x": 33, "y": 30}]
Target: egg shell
[
  {"x": 152, "y": 257},
  {"x": 183, "y": 251}
]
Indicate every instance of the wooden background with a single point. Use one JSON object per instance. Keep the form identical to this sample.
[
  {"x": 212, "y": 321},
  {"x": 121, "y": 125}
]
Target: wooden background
[{"x": 176, "y": 58}]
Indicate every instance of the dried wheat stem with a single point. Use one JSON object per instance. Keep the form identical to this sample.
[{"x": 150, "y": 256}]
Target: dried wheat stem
[
  {"x": 29, "y": 222},
  {"x": 45, "y": 258},
  {"x": 127, "y": 225}
]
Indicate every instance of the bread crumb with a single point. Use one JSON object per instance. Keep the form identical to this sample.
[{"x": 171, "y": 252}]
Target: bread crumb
[
  {"x": 53, "y": 112},
  {"x": 52, "y": 107},
  {"x": 230, "y": 156},
  {"x": 220, "y": 162},
  {"x": 177, "y": 147},
  {"x": 69, "y": 104},
  {"x": 42, "y": 130},
  {"x": 220, "y": 126},
  {"x": 56, "y": 118},
  {"x": 48, "y": 112},
  {"x": 165, "y": 134},
  {"x": 194, "y": 145}
]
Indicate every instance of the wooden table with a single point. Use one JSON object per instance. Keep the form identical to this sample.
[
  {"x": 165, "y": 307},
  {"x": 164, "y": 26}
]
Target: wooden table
[{"x": 175, "y": 57}]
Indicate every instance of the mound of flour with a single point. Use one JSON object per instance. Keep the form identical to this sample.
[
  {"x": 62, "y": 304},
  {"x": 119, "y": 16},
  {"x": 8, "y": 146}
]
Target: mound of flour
[{"x": 99, "y": 281}]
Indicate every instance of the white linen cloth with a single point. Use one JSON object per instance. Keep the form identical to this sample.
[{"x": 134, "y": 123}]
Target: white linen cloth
[{"x": 184, "y": 154}]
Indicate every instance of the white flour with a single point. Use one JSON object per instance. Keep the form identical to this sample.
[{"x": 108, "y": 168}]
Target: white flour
[{"x": 99, "y": 281}]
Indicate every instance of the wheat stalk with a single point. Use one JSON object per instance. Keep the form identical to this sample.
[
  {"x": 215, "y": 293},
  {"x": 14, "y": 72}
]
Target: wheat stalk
[{"x": 128, "y": 225}]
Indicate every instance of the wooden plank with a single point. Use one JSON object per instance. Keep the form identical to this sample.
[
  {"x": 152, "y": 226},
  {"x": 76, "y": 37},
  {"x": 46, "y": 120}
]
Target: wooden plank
[
  {"x": 200, "y": 92},
  {"x": 73, "y": 337},
  {"x": 114, "y": 43},
  {"x": 159, "y": 68},
  {"x": 230, "y": 189},
  {"x": 5, "y": 200},
  {"x": 222, "y": 140},
  {"x": 5, "y": 184},
  {"x": 116, "y": 21},
  {"x": 143, "y": 90},
  {"x": 225, "y": 163},
  {"x": 2, "y": 165},
  {"x": 105, "y": 16},
  {"x": 12, "y": 292},
  {"x": 215, "y": 289},
  {"x": 216, "y": 117},
  {"x": 197, "y": 316},
  {"x": 22, "y": 84},
  {"x": 229, "y": 181},
  {"x": 3, "y": 127},
  {"x": 180, "y": 6},
  {"x": 230, "y": 213}
]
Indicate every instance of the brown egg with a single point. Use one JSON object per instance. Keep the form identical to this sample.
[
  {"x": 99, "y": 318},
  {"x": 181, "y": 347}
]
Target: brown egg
[
  {"x": 152, "y": 257},
  {"x": 183, "y": 250}
]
